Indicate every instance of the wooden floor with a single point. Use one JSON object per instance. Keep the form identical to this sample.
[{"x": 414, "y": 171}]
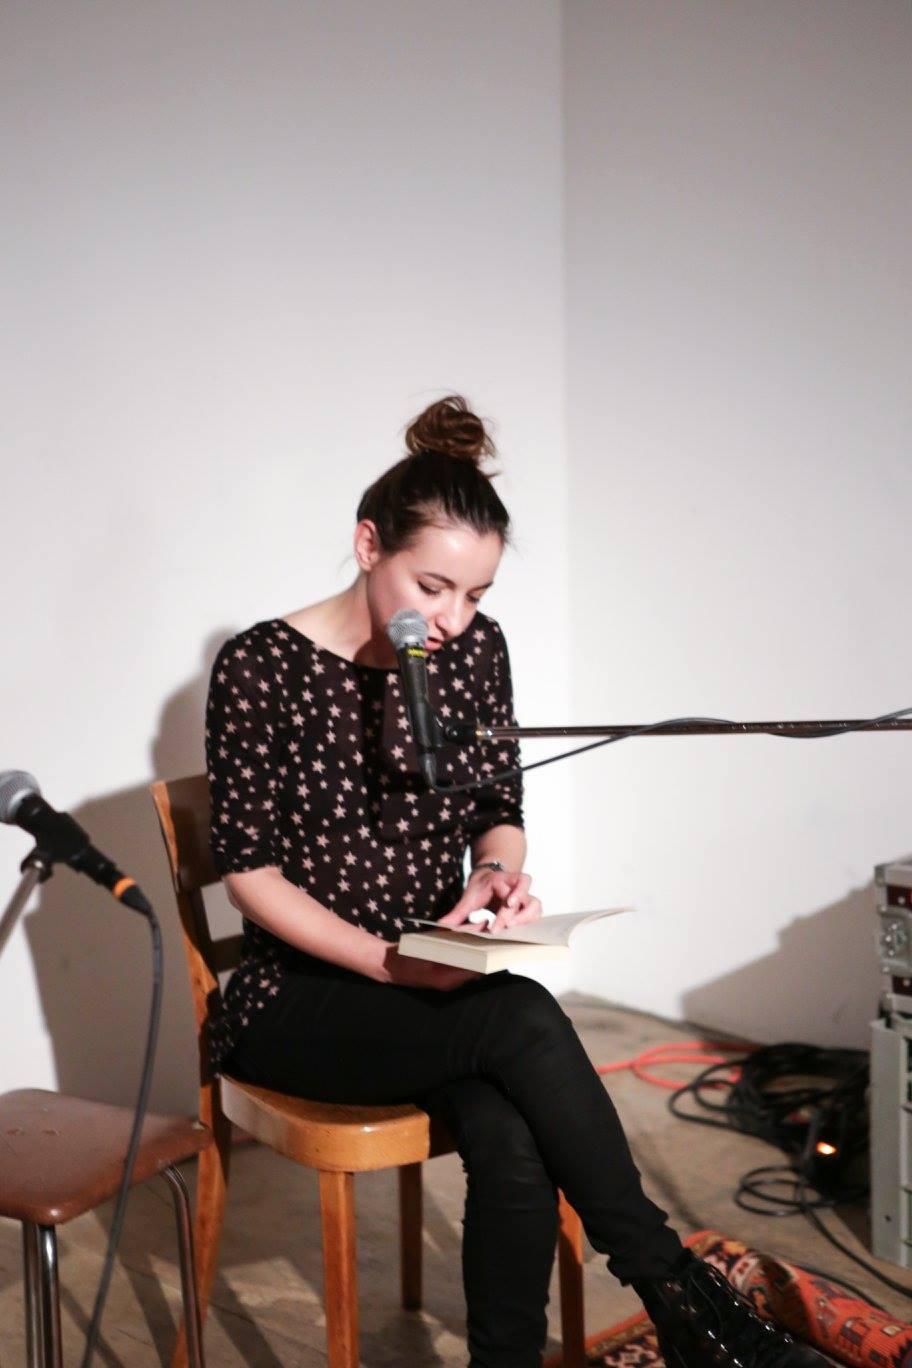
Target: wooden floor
[{"x": 267, "y": 1310}]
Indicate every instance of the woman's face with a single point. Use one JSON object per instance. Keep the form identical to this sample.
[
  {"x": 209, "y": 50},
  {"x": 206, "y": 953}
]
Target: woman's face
[{"x": 443, "y": 574}]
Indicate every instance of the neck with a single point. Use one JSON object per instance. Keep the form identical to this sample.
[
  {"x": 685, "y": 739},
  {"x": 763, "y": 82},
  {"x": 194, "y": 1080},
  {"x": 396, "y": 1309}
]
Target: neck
[{"x": 350, "y": 620}]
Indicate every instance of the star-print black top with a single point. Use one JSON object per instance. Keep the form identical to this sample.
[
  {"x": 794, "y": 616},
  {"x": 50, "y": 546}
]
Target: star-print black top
[{"x": 312, "y": 769}]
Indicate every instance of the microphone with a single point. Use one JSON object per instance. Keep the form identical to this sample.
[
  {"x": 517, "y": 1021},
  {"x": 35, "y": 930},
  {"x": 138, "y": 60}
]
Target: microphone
[
  {"x": 407, "y": 631},
  {"x": 60, "y": 837}
]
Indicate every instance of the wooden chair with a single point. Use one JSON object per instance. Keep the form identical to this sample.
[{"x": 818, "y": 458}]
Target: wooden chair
[
  {"x": 62, "y": 1156},
  {"x": 337, "y": 1141}
]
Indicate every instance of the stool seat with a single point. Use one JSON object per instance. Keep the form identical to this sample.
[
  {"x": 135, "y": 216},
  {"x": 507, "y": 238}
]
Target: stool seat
[{"x": 61, "y": 1156}]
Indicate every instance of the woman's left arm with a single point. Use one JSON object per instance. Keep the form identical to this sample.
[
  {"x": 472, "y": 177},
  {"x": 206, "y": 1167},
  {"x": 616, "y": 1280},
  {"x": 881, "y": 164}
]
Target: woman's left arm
[
  {"x": 498, "y": 837},
  {"x": 507, "y": 891},
  {"x": 503, "y": 844}
]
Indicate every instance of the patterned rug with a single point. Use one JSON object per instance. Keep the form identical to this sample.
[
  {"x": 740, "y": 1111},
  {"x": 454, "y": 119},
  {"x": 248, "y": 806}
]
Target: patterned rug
[{"x": 813, "y": 1309}]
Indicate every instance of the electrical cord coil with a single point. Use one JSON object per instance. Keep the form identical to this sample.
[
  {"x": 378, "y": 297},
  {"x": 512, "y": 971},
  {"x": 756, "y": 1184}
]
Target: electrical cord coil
[{"x": 807, "y": 1100}]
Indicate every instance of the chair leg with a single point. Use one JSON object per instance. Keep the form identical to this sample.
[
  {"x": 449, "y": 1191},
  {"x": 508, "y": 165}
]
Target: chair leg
[
  {"x": 570, "y": 1267},
  {"x": 340, "y": 1287},
  {"x": 410, "y": 1234},
  {"x": 211, "y": 1184},
  {"x": 42, "y": 1296},
  {"x": 192, "y": 1326}
]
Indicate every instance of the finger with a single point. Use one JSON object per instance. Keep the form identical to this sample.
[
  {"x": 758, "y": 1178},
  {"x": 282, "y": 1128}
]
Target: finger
[
  {"x": 505, "y": 917},
  {"x": 502, "y": 885},
  {"x": 528, "y": 911},
  {"x": 531, "y": 912},
  {"x": 473, "y": 899},
  {"x": 519, "y": 891},
  {"x": 457, "y": 915}
]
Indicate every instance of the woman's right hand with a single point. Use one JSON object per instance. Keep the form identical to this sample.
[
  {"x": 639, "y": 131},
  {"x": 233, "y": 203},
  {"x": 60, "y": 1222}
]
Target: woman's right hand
[{"x": 418, "y": 973}]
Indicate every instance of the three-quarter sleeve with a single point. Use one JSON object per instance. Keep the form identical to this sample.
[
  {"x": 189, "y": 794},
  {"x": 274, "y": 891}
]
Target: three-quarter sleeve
[
  {"x": 241, "y": 727},
  {"x": 498, "y": 804}
]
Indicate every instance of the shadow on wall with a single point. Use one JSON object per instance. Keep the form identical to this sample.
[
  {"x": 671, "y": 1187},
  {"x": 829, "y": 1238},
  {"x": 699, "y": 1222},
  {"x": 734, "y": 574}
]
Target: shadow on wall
[
  {"x": 93, "y": 957},
  {"x": 820, "y": 985}
]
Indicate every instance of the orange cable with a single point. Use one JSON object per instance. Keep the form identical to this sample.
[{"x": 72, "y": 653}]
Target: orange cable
[{"x": 679, "y": 1052}]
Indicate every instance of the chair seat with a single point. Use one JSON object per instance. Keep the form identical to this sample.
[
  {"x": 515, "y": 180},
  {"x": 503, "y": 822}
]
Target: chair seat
[
  {"x": 333, "y": 1137},
  {"x": 61, "y": 1156}
]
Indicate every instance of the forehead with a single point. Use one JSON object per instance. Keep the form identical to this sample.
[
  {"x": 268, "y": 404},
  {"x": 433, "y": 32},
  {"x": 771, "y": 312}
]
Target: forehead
[{"x": 456, "y": 551}]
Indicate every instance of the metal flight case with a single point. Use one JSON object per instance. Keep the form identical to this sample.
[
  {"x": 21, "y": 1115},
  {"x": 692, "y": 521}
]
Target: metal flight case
[{"x": 891, "y": 1070}]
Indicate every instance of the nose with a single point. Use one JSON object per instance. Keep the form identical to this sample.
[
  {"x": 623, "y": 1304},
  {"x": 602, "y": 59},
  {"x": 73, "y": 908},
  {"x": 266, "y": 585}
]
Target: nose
[
  {"x": 441, "y": 625},
  {"x": 450, "y": 619}
]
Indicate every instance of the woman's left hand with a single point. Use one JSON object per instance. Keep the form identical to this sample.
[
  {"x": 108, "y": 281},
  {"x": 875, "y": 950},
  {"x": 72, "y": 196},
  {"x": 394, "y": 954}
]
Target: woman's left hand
[{"x": 504, "y": 892}]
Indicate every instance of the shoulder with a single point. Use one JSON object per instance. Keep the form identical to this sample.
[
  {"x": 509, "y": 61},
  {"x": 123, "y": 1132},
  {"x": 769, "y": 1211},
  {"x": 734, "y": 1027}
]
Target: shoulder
[
  {"x": 488, "y": 634},
  {"x": 266, "y": 650},
  {"x": 486, "y": 645}
]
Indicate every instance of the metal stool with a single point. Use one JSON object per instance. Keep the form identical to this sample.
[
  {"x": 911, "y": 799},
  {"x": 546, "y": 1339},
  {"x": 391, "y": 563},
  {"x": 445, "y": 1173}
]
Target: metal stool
[{"x": 61, "y": 1156}]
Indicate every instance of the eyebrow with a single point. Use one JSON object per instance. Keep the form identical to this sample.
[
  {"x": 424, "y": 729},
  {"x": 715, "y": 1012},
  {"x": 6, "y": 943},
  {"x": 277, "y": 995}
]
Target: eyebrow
[{"x": 432, "y": 574}]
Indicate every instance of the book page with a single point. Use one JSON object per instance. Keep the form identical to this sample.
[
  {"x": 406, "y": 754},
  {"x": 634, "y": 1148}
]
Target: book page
[{"x": 546, "y": 931}]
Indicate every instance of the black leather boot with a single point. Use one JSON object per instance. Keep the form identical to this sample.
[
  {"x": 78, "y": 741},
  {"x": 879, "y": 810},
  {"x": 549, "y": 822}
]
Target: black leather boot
[{"x": 702, "y": 1322}]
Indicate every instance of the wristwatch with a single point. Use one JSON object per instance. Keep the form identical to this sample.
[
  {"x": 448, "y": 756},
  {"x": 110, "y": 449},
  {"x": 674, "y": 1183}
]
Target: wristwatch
[{"x": 491, "y": 864}]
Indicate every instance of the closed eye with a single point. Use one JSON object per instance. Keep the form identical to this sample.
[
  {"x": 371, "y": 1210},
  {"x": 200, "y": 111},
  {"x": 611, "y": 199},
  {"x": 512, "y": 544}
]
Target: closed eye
[{"x": 432, "y": 593}]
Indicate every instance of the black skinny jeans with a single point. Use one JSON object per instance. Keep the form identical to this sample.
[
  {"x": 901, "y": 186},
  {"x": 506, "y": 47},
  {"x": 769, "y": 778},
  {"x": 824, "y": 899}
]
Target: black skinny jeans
[{"x": 499, "y": 1061}]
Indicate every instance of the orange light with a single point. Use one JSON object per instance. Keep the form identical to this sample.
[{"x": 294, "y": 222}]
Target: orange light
[{"x": 823, "y": 1147}]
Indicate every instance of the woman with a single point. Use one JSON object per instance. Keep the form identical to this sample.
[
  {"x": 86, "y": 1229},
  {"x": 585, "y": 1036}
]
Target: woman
[{"x": 328, "y": 841}]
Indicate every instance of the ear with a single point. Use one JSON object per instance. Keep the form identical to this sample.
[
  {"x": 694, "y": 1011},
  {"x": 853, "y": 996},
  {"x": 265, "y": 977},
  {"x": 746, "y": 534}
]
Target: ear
[{"x": 367, "y": 545}]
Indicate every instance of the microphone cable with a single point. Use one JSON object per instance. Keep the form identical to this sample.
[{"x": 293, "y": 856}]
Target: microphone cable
[{"x": 139, "y": 1117}]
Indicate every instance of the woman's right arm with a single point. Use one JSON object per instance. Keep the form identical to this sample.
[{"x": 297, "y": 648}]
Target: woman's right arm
[{"x": 266, "y": 897}]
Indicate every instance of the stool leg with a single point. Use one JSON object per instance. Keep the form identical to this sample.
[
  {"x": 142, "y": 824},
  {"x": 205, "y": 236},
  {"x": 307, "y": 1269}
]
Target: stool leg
[
  {"x": 32, "y": 1319},
  {"x": 42, "y": 1296},
  {"x": 192, "y": 1326},
  {"x": 340, "y": 1286},
  {"x": 570, "y": 1266},
  {"x": 410, "y": 1222},
  {"x": 212, "y": 1173}
]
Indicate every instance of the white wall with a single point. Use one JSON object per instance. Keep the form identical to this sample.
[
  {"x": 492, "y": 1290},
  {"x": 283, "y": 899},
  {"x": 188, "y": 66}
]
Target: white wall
[
  {"x": 245, "y": 244},
  {"x": 739, "y": 327},
  {"x": 248, "y": 242}
]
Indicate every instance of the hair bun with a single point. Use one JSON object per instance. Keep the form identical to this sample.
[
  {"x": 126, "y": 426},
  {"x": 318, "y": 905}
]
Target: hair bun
[{"x": 450, "y": 427}]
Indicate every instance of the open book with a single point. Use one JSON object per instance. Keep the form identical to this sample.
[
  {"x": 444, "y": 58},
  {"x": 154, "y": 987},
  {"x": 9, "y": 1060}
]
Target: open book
[{"x": 467, "y": 947}]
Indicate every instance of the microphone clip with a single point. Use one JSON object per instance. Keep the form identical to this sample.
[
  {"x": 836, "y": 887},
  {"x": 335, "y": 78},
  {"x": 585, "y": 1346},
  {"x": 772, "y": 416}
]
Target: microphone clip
[{"x": 40, "y": 861}]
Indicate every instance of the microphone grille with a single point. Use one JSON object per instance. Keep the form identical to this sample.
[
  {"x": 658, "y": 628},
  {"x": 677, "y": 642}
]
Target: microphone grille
[
  {"x": 407, "y": 628},
  {"x": 15, "y": 786}
]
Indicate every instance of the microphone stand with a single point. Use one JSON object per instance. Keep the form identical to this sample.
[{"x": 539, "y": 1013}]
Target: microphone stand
[
  {"x": 462, "y": 732},
  {"x": 35, "y": 869},
  {"x": 466, "y": 733}
]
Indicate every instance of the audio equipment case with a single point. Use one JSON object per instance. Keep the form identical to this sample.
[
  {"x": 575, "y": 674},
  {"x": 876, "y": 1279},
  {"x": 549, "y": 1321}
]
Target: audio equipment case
[{"x": 891, "y": 1070}]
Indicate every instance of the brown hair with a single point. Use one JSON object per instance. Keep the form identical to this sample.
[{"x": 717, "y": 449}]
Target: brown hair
[{"x": 441, "y": 480}]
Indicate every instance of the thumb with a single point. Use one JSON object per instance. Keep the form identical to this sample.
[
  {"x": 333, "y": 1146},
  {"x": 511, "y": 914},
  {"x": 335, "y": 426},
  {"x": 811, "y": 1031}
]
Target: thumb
[{"x": 457, "y": 915}]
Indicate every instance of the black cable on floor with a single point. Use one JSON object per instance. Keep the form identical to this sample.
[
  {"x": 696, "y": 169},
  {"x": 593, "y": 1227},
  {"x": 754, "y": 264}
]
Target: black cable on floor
[
  {"x": 810, "y": 1102},
  {"x": 811, "y": 1214}
]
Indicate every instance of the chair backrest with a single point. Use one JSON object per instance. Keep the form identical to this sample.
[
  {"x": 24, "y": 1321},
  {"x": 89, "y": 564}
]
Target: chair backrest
[{"x": 183, "y": 814}]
